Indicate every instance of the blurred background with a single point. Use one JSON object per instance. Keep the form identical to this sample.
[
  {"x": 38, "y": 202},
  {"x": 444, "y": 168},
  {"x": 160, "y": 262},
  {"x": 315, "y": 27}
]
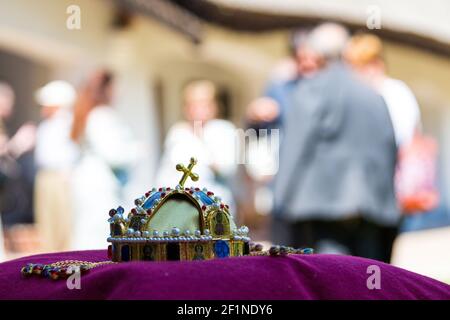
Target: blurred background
[{"x": 153, "y": 50}]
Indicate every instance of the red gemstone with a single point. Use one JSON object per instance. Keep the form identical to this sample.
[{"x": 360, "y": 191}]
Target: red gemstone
[
  {"x": 203, "y": 207},
  {"x": 197, "y": 189},
  {"x": 147, "y": 194},
  {"x": 112, "y": 212},
  {"x": 54, "y": 275},
  {"x": 63, "y": 272},
  {"x": 110, "y": 251},
  {"x": 191, "y": 192},
  {"x": 149, "y": 211},
  {"x": 168, "y": 189},
  {"x": 160, "y": 189},
  {"x": 222, "y": 206},
  {"x": 133, "y": 211},
  {"x": 210, "y": 193}
]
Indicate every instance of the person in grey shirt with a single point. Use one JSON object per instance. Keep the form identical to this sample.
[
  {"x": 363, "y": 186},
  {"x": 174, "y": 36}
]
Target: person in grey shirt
[{"x": 335, "y": 182}]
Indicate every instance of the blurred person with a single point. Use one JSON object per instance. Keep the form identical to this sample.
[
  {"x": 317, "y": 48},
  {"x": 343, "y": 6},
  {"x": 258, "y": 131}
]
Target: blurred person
[
  {"x": 266, "y": 112},
  {"x": 201, "y": 135},
  {"x": 364, "y": 52},
  {"x": 55, "y": 156},
  {"x": 2, "y": 244},
  {"x": 264, "y": 115},
  {"x": 337, "y": 160},
  {"x": 23, "y": 141},
  {"x": 16, "y": 171},
  {"x": 416, "y": 185},
  {"x": 108, "y": 151},
  {"x": 6, "y": 107}
]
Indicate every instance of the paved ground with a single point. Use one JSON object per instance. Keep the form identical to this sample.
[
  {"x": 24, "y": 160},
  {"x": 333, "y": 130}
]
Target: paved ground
[{"x": 426, "y": 252}]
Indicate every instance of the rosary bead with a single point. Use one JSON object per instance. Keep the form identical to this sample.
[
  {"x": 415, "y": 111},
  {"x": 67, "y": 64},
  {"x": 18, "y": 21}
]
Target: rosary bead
[
  {"x": 84, "y": 268},
  {"x": 307, "y": 251},
  {"x": 37, "y": 269},
  {"x": 258, "y": 247},
  {"x": 274, "y": 250},
  {"x": 27, "y": 270},
  {"x": 63, "y": 273},
  {"x": 46, "y": 271},
  {"x": 54, "y": 275}
]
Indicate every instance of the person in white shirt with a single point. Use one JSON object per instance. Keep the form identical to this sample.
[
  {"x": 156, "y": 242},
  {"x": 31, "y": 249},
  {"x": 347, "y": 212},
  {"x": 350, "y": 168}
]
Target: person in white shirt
[
  {"x": 108, "y": 152},
  {"x": 403, "y": 109},
  {"x": 364, "y": 53},
  {"x": 55, "y": 156},
  {"x": 201, "y": 135}
]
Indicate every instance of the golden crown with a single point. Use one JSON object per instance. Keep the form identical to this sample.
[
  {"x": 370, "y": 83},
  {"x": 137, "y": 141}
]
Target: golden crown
[{"x": 176, "y": 224}]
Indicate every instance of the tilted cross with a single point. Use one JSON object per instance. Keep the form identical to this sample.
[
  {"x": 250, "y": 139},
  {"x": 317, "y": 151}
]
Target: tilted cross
[{"x": 187, "y": 172}]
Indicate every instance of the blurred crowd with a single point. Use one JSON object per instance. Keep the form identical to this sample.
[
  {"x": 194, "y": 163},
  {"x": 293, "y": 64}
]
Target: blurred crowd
[
  {"x": 352, "y": 166},
  {"x": 353, "y": 159}
]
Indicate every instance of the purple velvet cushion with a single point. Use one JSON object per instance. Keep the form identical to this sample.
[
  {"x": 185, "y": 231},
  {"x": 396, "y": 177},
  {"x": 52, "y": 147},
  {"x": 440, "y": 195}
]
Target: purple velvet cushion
[{"x": 292, "y": 277}]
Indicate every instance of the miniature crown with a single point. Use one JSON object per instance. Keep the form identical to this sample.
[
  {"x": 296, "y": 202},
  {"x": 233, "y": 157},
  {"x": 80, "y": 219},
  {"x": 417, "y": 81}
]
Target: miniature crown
[{"x": 176, "y": 224}]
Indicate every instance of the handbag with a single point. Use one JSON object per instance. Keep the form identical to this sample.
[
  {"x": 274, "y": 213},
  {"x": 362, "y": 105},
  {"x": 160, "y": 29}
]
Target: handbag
[{"x": 415, "y": 178}]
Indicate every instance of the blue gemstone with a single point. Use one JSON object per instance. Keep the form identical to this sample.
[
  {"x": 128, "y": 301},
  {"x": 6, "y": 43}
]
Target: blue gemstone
[
  {"x": 120, "y": 210},
  {"x": 308, "y": 251},
  {"x": 221, "y": 249},
  {"x": 204, "y": 198},
  {"x": 149, "y": 203},
  {"x": 46, "y": 271}
]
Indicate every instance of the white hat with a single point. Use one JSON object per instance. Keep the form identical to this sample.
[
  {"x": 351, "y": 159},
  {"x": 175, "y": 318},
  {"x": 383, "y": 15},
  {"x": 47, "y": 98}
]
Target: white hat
[{"x": 56, "y": 94}]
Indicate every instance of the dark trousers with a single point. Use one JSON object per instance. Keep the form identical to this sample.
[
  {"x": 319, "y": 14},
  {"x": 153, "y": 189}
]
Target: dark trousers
[{"x": 357, "y": 236}]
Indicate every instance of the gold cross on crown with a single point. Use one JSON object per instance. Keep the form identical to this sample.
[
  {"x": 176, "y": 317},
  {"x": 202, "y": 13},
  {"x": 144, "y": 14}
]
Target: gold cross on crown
[{"x": 187, "y": 172}]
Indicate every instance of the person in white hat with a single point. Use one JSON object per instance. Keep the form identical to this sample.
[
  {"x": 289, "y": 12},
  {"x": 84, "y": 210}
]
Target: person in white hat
[{"x": 55, "y": 157}]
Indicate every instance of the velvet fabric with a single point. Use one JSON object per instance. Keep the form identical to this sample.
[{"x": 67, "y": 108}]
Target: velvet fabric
[{"x": 289, "y": 277}]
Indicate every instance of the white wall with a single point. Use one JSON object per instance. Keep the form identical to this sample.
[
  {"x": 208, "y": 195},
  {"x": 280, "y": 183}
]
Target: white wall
[
  {"x": 38, "y": 29},
  {"x": 428, "y": 18}
]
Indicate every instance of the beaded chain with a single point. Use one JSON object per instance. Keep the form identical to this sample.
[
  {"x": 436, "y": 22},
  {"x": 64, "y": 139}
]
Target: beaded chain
[
  {"x": 61, "y": 269},
  {"x": 256, "y": 249}
]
